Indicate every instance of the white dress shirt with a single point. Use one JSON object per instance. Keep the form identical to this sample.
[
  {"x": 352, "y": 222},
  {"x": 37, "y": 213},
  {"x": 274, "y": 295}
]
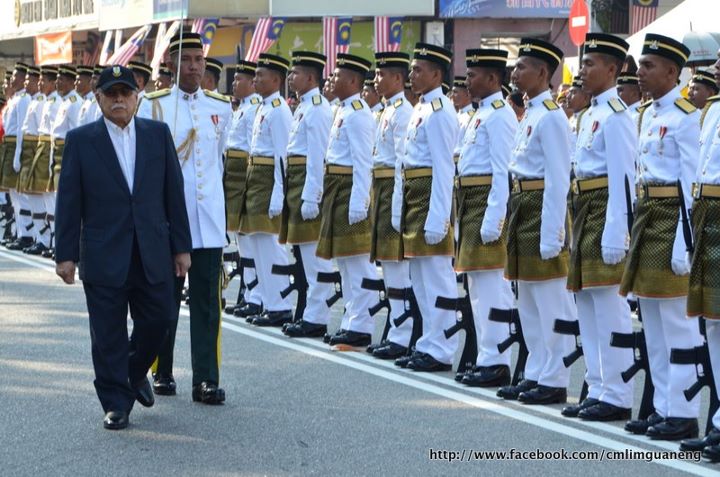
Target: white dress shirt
[
  {"x": 241, "y": 126},
  {"x": 464, "y": 116},
  {"x": 123, "y": 141}
]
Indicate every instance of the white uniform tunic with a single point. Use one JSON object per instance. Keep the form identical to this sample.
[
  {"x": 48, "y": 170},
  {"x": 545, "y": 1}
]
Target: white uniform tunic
[
  {"x": 240, "y": 133},
  {"x": 464, "y": 116}
]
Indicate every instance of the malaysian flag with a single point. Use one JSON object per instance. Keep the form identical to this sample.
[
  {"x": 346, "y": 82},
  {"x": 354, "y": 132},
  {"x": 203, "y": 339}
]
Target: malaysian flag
[
  {"x": 162, "y": 41},
  {"x": 91, "y": 52},
  {"x": 388, "y": 33},
  {"x": 206, "y": 27},
  {"x": 266, "y": 32},
  {"x": 336, "y": 39},
  {"x": 130, "y": 47},
  {"x": 644, "y": 12},
  {"x": 106, "y": 48}
]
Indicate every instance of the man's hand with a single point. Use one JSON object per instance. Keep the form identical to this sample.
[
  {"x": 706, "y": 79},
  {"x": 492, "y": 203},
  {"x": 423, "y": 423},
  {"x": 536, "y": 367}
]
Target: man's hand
[
  {"x": 395, "y": 222},
  {"x": 356, "y": 216},
  {"x": 274, "y": 211},
  {"x": 433, "y": 238},
  {"x": 182, "y": 264},
  {"x": 549, "y": 252},
  {"x": 309, "y": 210},
  {"x": 488, "y": 235},
  {"x": 66, "y": 271},
  {"x": 612, "y": 255}
]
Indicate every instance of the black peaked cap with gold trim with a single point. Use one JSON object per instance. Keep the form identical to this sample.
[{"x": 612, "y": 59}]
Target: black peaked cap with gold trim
[
  {"x": 85, "y": 70},
  {"x": 460, "y": 82},
  {"x": 434, "y": 53},
  {"x": 19, "y": 66},
  {"x": 246, "y": 67},
  {"x": 33, "y": 70},
  {"x": 67, "y": 70},
  {"x": 353, "y": 62},
  {"x": 390, "y": 59},
  {"x": 705, "y": 77},
  {"x": 273, "y": 62},
  {"x": 213, "y": 64},
  {"x": 97, "y": 69},
  {"x": 628, "y": 78},
  {"x": 666, "y": 47},
  {"x": 606, "y": 44},
  {"x": 308, "y": 58},
  {"x": 542, "y": 50},
  {"x": 485, "y": 57},
  {"x": 370, "y": 79},
  {"x": 188, "y": 40},
  {"x": 139, "y": 67},
  {"x": 48, "y": 70},
  {"x": 163, "y": 70},
  {"x": 576, "y": 82}
]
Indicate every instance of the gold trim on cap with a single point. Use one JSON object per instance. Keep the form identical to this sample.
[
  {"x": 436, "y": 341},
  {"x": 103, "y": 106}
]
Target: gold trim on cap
[
  {"x": 655, "y": 44},
  {"x": 385, "y": 59},
  {"x": 476, "y": 58},
  {"x": 530, "y": 46},
  {"x": 342, "y": 61},
  {"x": 196, "y": 41},
  {"x": 309, "y": 58},
  {"x": 593, "y": 43},
  {"x": 266, "y": 61},
  {"x": 425, "y": 51}
]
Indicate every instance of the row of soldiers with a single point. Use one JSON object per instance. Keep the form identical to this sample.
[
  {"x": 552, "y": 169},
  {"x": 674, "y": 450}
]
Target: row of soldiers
[{"x": 341, "y": 184}]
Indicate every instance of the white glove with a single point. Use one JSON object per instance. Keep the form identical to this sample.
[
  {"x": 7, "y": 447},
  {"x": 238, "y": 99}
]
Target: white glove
[
  {"x": 355, "y": 216},
  {"x": 16, "y": 165},
  {"x": 489, "y": 235},
  {"x": 309, "y": 210},
  {"x": 612, "y": 255},
  {"x": 681, "y": 266},
  {"x": 395, "y": 222},
  {"x": 433, "y": 238},
  {"x": 274, "y": 210},
  {"x": 548, "y": 252}
]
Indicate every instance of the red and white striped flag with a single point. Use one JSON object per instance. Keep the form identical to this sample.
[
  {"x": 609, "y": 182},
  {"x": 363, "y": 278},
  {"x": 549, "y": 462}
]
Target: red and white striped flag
[
  {"x": 330, "y": 44},
  {"x": 125, "y": 53},
  {"x": 388, "y": 33},
  {"x": 162, "y": 41},
  {"x": 644, "y": 12},
  {"x": 260, "y": 42}
]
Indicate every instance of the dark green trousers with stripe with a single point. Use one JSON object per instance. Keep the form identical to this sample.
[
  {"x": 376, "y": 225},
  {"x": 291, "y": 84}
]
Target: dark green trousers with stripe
[{"x": 205, "y": 277}]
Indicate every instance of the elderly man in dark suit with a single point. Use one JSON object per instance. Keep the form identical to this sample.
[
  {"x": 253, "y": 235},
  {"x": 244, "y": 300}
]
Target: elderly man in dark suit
[{"x": 121, "y": 214}]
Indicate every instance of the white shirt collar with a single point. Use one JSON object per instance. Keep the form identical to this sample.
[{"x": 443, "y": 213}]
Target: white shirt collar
[
  {"x": 668, "y": 99},
  {"x": 350, "y": 99},
  {"x": 115, "y": 129},
  {"x": 605, "y": 96},
  {"x": 539, "y": 98},
  {"x": 433, "y": 94},
  {"x": 492, "y": 97},
  {"x": 271, "y": 97},
  {"x": 309, "y": 94}
]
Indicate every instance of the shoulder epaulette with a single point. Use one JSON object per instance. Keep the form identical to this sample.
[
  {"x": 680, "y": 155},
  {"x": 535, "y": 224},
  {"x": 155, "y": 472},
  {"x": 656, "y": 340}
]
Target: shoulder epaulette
[
  {"x": 317, "y": 100},
  {"x": 52, "y": 100},
  {"x": 254, "y": 100},
  {"x": 276, "y": 102},
  {"x": 40, "y": 97},
  {"x": 158, "y": 94},
  {"x": 550, "y": 105},
  {"x": 437, "y": 104},
  {"x": 685, "y": 105},
  {"x": 398, "y": 102},
  {"x": 217, "y": 96},
  {"x": 617, "y": 105},
  {"x": 498, "y": 103},
  {"x": 72, "y": 98},
  {"x": 357, "y": 105},
  {"x": 471, "y": 113}
]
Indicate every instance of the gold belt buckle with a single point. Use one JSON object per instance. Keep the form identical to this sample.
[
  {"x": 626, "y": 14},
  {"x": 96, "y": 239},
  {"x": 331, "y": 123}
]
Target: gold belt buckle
[
  {"x": 696, "y": 190},
  {"x": 575, "y": 187},
  {"x": 516, "y": 185},
  {"x": 641, "y": 192}
]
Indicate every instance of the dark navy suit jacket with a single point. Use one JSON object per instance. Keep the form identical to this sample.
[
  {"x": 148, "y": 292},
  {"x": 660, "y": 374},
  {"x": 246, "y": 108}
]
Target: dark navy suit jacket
[{"x": 97, "y": 217}]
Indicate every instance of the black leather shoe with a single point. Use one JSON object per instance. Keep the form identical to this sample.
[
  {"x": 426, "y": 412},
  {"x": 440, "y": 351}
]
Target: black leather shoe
[
  {"x": 403, "y": 361},
  {"x": 674, "y": 429},
  {"x": 459, "y": 376},
  {"x": 572, "y": 411},
  {"x": 305, "y": 329},
  {"x": 208, "y": 393},
  {"x": 423, "y": 362},
  {"x": 49, "y": 253},
  {"x": 605, "y": 412},
  {"x": 488, "y": 377},
  {"x": 390, "y": 351},
  {"x": 273, "y": 318},
  {"x": 712, "y": 453},
  {"x": 250, "y": 309},
  {"x": 115, "y": 420},
  {"x": 35, "y": 249},
  {"x": 351, "y": 339},
  {"x": 144, "y": 393},
  {"x": 512, "y": 392},
  {"x": 640, "y": 426},
  {"x": 711, "y": 439},
  {"x": 231, "y": 309},
  {"x": 543, "y": 395},
  {"x": 20, "y": 244},
  {"x": 164, "y": 384},
  {"x": 373, "y": 346}
]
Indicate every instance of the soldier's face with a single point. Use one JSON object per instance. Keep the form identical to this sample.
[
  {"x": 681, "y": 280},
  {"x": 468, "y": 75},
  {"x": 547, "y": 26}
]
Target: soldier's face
[
  {"x": 698, "y": 94},
  {"x": 18, "y": 80},
  {"x": 31, "y": 84},
  {"x": 118, "y": 104},
  {"x": 242, "y": 85},
  {"x": 424, "y": 77},
  {"x": 189, "y": 68},
  {"x": 595, "y": 73},
  {"x": 656, "y": 75},
  {"x": 527, "y": 74},
  {"x": 82, "y": 84},
  {"x": 266, "y": 82},
  {"x": 162, "y": 82},
  {"x": 64, "y": 84},
  {"x": 629, "y": 93},
  {"x": 460, "y": 97},
  {"x": 370, "y": 96},
  {"x": 344, "y": 83},
  {"x": 299, "y": 80}
]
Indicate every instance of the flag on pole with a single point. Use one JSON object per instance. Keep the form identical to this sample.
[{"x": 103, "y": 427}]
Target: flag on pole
[
  {"x": 162, "y": 41},
  {"x": 206, "y": 27},
  {"x": 106, "y": 48},
  {"x": 388, "y": 33},
  {"x": 130, "y": 47},
  {"x": 91, "y": 52},
  {"x": 336, "y": 39},
  {"x": 266, "y": 32},
  {"x": 644, "y": 12}
]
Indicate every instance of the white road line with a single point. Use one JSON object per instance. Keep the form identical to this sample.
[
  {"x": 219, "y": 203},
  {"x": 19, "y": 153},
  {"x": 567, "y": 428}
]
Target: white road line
[{"x": 504, "y": 408}]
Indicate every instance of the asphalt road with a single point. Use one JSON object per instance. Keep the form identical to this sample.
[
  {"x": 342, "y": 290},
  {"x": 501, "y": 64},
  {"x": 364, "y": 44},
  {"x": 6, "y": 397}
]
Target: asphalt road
[{"x": 294, "y": 408}]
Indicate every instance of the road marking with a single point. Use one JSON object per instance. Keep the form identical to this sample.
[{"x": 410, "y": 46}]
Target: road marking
[{"x": 504, "y": 408}]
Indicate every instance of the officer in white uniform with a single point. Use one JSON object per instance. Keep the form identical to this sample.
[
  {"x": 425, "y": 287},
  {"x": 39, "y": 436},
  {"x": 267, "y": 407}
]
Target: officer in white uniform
[
  {"x": 483, "y": 183},
  {"x": 537, "y": 250},
  {"x": 604, "y": 162},
  {"x": 629, "y": 91},
  {"x": 371, "y": 96},
  {"x": 261, "y": 215},
  {"x": 85, "y": 86},
  {"x": 465, "y": 110},
  {"x": 309, "y": 135},
  {"x": 427, "y": 232},
  {"x": 142, "y": 73},
  {"x": 199, "y": 121},
  {"x": 213, "y": 71},
  {"x": 658, "y": 263}
]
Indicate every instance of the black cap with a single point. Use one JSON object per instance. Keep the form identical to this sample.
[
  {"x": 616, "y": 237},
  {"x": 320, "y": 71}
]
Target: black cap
[
  {"x": 33, "y": 70},
  {"x": 666, "y": 47},
  {"x": 188, "y": 40},
  {"x": 246, "y": 67},
  {"x": 84, "y": 70},
  {"x": 19, "y": 66},
  {"x": 214, "y": 65},
  {"x": 484, "y": 57},
  {"x": 163, "y": 70},
  {"x": 627, "y": 78},
  {"x": 705, "y": 77},
  {"x": 460, "y": 82},
  {"x": 434, "y": 53},
  {"x": 353, "y": 62},
  {"x": 273, "y": 62},
  {"x": 370, "y": 79},
  {"x": 49, "y": 70},
  {"x": 542, "y": 50},
  {"x": 308, "y": 58},
  {"x": 8, "y": 75},
  {"x": 389, "y": 59},
  {"x": 576, "y": 82},
  {"x": 606, "y": 44},
  {"x": 67, "y": 70},
  {"x": 116, "y": 74},
  {"x": 506, "y": 90}
]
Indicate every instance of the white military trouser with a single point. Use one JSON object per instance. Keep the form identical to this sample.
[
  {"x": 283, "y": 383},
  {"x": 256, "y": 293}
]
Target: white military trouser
[
  {"x": 49, "y": 198},
  {"x": 357, "y": 300},
  {"x": 432, "y": 277},
  {"x": 666, "y": 326},
  {"x": 397, "y": 275},
  {"x": 602, "y": 311},
  {"x": 539, "y": 305},
  {"x": 316, "y": 309},
  {"x": 266, "y": 251},
  {"x": 37, "y": 207},
  {"x": 488, "y": 289},
  {"x": 21, "y": 208},
  {"x": 712, "y": 332},
  {"x": 245, "y": 251}
]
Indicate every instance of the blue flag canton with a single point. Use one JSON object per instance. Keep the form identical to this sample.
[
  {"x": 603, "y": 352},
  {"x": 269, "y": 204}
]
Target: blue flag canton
[
  {"x": 344, "y": 25},
  {"x": 275, "y": 28},
  {"x": 395, "y": 30},
  {"x": 209, "y": 30}
]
